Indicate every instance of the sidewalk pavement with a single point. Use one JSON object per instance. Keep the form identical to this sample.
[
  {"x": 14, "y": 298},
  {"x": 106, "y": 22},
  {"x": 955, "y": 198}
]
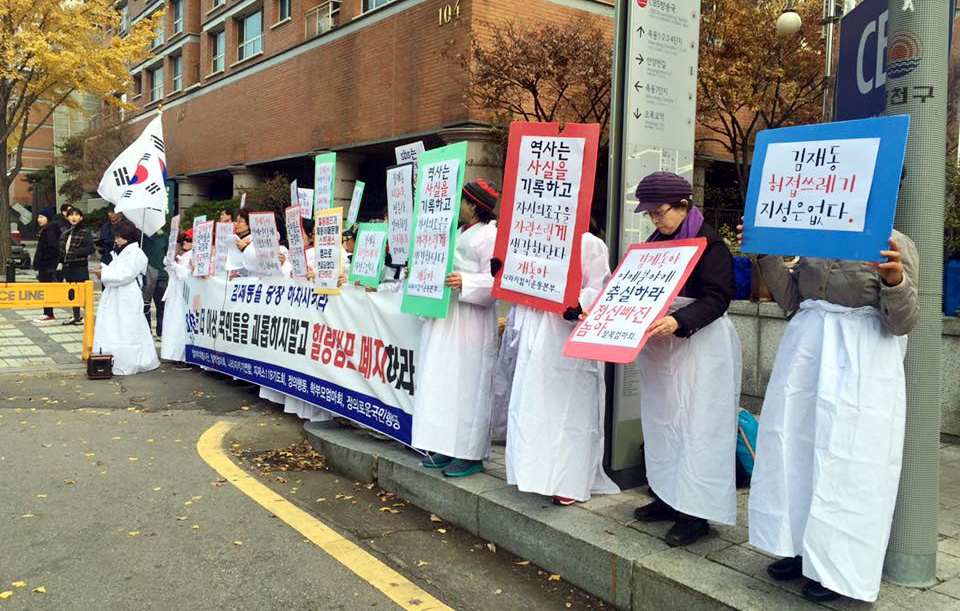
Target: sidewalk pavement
[{"x": 599, "y": 547}]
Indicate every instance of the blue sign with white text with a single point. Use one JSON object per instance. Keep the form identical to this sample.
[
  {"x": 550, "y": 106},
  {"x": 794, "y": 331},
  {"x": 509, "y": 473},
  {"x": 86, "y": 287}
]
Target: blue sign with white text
[{"x": 827, "y": 190}]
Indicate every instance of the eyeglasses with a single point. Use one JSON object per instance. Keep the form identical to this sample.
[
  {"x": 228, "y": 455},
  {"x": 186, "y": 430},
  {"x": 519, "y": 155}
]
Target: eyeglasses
[{"x": 659, "y": 213}]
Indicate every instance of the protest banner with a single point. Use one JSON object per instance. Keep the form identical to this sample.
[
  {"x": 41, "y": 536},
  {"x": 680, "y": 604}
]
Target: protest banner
[
  {"x": 354, "y": 210},
  {"x": 324, "y": 176},
  {"x": 827, "y": 190},
  {"x": 354, "y": 355},
  {"x": 200, "y": 218},
  {"x": 640, "y": 291},
  {"x": 294, "y": 194},
  {"x": 202, "y": 248},
  {"x": 296, "y": 248},
  {"x": 400, "y": 187},
  {"x": 305, "y": 201},
  {"x": 367, "y": 263},
  {"x": 410, "y": 153},
  {"x": 433, "y": 237},
  {"x": 224, "y": 245},
  {"x": 172, "y": 240},
  {"x": 265, "y": 241},
  {"x": 327, "y": 257},
  {"x": 545, "y": 208}
]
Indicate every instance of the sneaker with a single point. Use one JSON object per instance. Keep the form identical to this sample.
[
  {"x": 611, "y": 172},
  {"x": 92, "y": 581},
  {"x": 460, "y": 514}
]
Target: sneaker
[
  {"x": 434, "y": 460},
  {"x": 563, "y": 501},
  {"x": 686, "y": 531},
  {"x": 461, "y": 467},
  {"x": 815, "y": 592},
  {"x": 786, "y": 569},
  {"x": 73, "y": 321},
  {"x": 181, "y": 366},
  {"x": 655, "y": 512},
  {"x": 44, "y": 319}
]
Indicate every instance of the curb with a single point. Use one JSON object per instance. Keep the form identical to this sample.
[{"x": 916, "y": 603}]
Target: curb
[{"x": 623, "y": 566}]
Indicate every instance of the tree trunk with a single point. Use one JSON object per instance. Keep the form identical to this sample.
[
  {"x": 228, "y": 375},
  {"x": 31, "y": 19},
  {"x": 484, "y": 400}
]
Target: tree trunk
[{"x": 5, "y": 237}]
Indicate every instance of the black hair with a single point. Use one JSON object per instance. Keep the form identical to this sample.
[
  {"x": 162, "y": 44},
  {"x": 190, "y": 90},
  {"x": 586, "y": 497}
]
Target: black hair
[{"x": 229, "y": 212}]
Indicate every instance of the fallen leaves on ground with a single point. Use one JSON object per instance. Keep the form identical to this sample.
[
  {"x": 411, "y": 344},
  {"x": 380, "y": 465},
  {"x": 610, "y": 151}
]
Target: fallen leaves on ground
[
  {"x": 299, "y": 456},
  {"x": 434, "y": 518},
  {"x": 422, "y": 563},
  {"x": 553, "y": 577},
  {"x": 492, "y": 547},
  {"x": 498, "y": 591},
  {"x": 19, "y": 584},
  {"x": 6, "y": 594},
  {"x": 238, "y": 542},
  {"x": 522, "y": 563},
  {"x": 40, "y": 590},
  {"x": 388, "y": 510}
]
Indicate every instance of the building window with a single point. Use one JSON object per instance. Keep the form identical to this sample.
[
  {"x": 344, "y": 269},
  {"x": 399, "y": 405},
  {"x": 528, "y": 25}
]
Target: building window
[
  {"x": 218, "y": 44},
  {"x": 176, "y": 68},
  {"x": 137, "y": 85},
  {"x": 249, "y": 35},
  {"x": 369, "y": 5},
  {"x": 217, "y": 3},
  {"x": 124, "y": 19},
  {"x": 176, "y": 7},
  {"x": 283, "y": 10},
  {"x": 159, "y": 35},
  {"x": 156, "y": 84}
]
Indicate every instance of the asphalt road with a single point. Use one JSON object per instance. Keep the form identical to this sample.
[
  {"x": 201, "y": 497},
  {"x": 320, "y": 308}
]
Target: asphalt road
[{"x": 105, "y": 503}]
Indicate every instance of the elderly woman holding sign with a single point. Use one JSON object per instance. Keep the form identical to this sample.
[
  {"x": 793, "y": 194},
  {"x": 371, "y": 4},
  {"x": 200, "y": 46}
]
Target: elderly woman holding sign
[
  {"x": 831, "y": 432},
  {"x": 690, "y": 377}
]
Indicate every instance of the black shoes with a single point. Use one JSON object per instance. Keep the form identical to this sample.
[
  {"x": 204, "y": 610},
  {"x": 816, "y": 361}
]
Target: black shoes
[
  {"x": 687, "y": 530},
  {"x": 655, "y": 512},
  {"x": 786, "y": 569},
  {"x": 815, "y": 592}
]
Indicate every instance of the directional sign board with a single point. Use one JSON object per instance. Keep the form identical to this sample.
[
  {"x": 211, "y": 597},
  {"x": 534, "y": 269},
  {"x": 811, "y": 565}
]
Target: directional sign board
[{"x": 660, "y": 99}]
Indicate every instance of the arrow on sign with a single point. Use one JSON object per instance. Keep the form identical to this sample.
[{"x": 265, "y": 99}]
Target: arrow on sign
[
  {"x": 636, "y": 113},
  {"x": 640, "y": 32},
  {"x": 637, "y": 86},
  {"x": 639, "y": 59}
]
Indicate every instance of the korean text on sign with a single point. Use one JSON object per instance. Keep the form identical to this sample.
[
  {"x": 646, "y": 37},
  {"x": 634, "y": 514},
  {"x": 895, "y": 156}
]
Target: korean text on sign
[
  {"x": 439, "y": 206},
  {"x": 326, "y": 250},
  {"x": 368, "y": 254},
  {"x": 264, "y": 238},
  {"x": 821, "y": 184},
  {"x": 226, "y": 240},
  {"x": 296, "y": 249},
  {"x": 172, "y": 239},
  {"x": 324, "y": 169},
  {"x": 541, "y": 233},
  {"x": 203, "y": 248},
  {"x": 400, "y": 210},
  {"x": 642, "y": 287}
]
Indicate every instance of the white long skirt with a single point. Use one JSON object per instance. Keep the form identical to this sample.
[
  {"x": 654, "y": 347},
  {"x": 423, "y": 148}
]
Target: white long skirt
[
  {"x": 829, "y": 447},
  {"x": 689, "y": 394},
  {"x": 174, "y": 341},
  {"x": 555, "y": 418}
]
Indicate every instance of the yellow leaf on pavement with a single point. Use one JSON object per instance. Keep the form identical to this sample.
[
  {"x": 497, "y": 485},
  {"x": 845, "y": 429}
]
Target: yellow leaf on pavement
[
  {"x": 423, "y": 563},
  {"x": 40, "y": 590},
  {"x": 553, "y": 577},
  {"x": 522, "y": 563},
  {"x": 69, "y": 482},
  {"x": 19, "y": 584},
  {"x": 134, "y": 533},
  {"x": 195, "y": 527},
  {"x": 156, "y": 489},
  {"x": 197, "y": 498},
  {"x": 442, "y": 531},
  {"x": 89, "y": 454},
  {"x": 6, "y": 594},
  {"x": 132, "y": 458},
  {"x": 498, "y": 591},
  {"x": 181, "y": 518},
  {"x": 41, "y": 496},
  {"x": 434, "y": 518},
  {"x": 238, "y": 542}
]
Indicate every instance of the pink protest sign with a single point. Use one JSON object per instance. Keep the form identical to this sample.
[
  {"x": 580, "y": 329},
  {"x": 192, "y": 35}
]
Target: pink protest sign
[{"x": 641, "y": 290}]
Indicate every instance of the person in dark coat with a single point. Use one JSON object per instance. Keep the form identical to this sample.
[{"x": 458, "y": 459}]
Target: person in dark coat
[
  {"x": 108, "y": 230},
  {"x": 690, "y": 373},
  {"x": 76, "y": 246},
  {"x": 48, "y": 251}
]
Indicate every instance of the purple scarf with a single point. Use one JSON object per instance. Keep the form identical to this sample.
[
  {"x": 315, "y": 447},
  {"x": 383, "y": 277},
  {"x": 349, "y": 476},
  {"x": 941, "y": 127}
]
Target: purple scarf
[{"x": 689, "y": 228}]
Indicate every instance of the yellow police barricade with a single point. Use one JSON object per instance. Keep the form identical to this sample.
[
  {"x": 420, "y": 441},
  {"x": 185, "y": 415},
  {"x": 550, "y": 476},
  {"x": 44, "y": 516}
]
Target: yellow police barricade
[{"x": 24, "y": 295}]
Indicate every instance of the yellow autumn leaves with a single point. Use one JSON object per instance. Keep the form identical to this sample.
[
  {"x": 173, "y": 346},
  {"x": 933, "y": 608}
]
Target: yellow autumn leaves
[{"x": 21, "y": 584}]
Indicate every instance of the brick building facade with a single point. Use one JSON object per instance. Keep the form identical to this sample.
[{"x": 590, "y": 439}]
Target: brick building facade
[{"x": 250, "y": 87}]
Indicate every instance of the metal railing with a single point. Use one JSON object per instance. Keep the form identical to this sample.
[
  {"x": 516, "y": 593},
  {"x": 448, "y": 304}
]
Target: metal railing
[{"x": 321, "y": 18}]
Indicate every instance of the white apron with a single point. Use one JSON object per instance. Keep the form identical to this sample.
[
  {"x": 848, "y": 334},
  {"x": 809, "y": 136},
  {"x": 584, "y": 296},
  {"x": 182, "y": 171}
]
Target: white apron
[
  {"x": 174, "y": 341},
  {"x": 121, "y": 328},
  {"x": 503, "y": 375},
  {"x": 556, "y": 412},
  {"x": 454, "y": 396},
  {"x": 689, "y": 393},
  {"x": 829, "y": 447}
]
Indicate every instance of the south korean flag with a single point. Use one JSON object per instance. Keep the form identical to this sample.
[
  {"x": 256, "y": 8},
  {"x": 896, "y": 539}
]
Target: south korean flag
[{"x": 136, "y": 181}]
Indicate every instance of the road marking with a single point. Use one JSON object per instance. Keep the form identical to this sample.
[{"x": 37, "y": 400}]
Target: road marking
[{"x": 395, "y": 586}]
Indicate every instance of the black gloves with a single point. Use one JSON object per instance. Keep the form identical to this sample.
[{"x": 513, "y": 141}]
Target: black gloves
[
  {"x": 573, "y": 313},
  {"x": 495, "y": 266}
]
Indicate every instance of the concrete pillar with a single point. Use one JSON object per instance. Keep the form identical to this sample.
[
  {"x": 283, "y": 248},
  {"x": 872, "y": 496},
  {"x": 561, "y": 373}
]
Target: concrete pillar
[
  {"x": 347, "y": 174},
  {"x": 192, "y": 190},
  {"x": 244, "y": 179},
  {"x": 483, "y": 151}
]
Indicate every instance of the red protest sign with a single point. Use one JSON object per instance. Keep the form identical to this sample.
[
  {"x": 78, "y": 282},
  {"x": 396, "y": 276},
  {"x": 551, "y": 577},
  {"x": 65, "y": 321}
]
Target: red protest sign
[
  {"x": 545, "y": 208},
  {"x": 640, "y": 292}
]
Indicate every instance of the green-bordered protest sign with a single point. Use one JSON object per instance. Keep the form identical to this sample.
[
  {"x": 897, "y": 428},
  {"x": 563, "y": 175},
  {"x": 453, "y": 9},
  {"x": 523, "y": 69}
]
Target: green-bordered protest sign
[
  {"x": 324, "y": 175},
  {"x": 367, "y": 263},
  {"x": 433, "y": 234}
]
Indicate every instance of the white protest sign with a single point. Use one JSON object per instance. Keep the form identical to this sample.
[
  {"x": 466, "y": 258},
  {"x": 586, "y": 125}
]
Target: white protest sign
[
  {"x": 324, "y": 170},
  {"x": 202, "y": 248},
  {"x": 305, "y": 202},
  {"x": 410, "y": 153},
  {"x": 541, "y": 235},
  {"x": 439, "y": 207},
  {"x": 172, "y": 240},
  {"x": 354, "y": 210},
  {"x": 263, "y": 234},
  {"x": 226, "y": 241},
  {"x": 399, "y": 211},
  {"x": 243, "y": 200},
  {"x": 819, "y": 184},
  {"x": 199, "y": 219},
  {"x": 296, "y": 249},
  {"x": 294, "y": 196},
  {"x": 640, "y": 291},
  {"x": 326, "y": 250}
]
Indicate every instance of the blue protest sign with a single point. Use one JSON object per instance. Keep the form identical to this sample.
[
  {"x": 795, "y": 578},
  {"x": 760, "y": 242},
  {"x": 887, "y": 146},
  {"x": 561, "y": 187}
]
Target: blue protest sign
[{"x": 826, "y": 190}]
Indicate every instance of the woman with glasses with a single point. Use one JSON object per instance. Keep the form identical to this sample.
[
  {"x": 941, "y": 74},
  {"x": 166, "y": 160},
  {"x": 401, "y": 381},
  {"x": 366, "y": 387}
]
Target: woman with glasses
[{"x": 690, "y": 377}]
